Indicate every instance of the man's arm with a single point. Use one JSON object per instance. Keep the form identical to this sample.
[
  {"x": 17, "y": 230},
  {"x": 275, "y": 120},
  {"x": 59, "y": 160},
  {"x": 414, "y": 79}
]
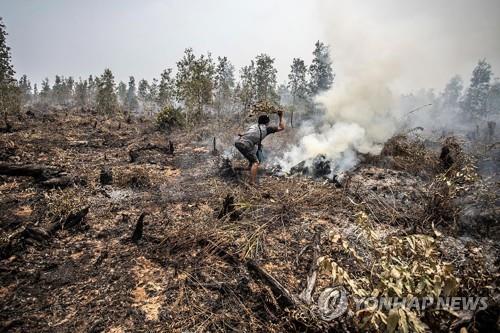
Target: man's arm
[{"x": 281, "y": 125}]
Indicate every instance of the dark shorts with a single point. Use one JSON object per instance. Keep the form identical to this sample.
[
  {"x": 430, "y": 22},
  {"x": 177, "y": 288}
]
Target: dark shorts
[{"x": 247, "y": 152}]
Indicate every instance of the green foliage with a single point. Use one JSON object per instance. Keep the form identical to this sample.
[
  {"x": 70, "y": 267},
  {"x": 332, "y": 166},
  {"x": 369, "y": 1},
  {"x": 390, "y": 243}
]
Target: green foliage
[
  {"x": 25, "y": 89},
  {"x": 224, "y": 83},
  {"x": 81, "y": 93},
  {"x": 46, "y": 92},
  {"x": 320, "y": 70},
  {"x": 476, "y": 96},
  {"x": 297, "y": 81},
  {"x": 106, "y": 97},
  {"x": 194, "y": 82},
  {"x": 166, "y": 89},
  {"x": 121, "y": 92},
  {"x": 131, "y": 103},
  {"x": 6, "y": 70},
  {"x": 169, "y": 118},
  {"x": 10, "y": 93},
  {"x": 247, "y": 91},
  {"x": 493, "y": 106},
  {"x": 265, "y": 78},
  {"x": 452, "y": 92}
]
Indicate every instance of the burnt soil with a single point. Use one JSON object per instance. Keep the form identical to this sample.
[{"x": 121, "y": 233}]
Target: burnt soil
[{"x": 93, "y": 278}]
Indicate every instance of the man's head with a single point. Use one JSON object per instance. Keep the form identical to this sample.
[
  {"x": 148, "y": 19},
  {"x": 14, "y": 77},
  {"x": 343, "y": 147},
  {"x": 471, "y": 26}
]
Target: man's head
[{"x": 263, "y": 119}]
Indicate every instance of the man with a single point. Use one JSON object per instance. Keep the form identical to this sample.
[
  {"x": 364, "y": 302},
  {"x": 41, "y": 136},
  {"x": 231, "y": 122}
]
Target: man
[{"x": 250, "y": 143}]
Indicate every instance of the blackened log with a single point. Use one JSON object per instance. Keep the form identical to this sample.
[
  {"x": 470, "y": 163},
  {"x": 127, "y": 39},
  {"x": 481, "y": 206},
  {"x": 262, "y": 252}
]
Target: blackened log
[
  {"x": 139, "y": 227},
  {"x": 40, "y": 172},
  {"x": 283, "y": 296}
]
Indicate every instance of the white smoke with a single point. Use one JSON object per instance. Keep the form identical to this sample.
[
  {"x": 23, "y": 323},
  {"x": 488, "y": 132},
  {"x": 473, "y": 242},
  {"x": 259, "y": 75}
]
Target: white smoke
[
  {"x": 380, "y": 50},
  {"x": 360, "y": 111}
]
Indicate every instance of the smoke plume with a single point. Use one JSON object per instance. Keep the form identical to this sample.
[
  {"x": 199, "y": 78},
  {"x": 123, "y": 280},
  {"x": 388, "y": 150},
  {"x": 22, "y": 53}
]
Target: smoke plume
[{"x": 381, "y": 51}]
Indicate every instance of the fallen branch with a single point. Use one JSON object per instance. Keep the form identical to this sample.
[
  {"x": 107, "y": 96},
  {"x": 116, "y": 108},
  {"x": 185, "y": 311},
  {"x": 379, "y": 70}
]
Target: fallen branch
[
  {"x": 39, "y": 172},
  {"x": 283, "y": 296},
  {"x": 45, "y": 175}
]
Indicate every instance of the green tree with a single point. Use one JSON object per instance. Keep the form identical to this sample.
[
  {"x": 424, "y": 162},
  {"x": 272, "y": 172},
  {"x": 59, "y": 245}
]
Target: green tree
[
  {"x": 25, "y": 88},
  {"x": 35, "y": 93},
  {"x": 68, "y": 90},
  {"x": 132, "y": 104},
  {"x": 297, "y": 83},
  {"x": 92, "y": 84},
  {"x": 45, "y": 93},
  {"x": 143, "y": 91},
  {"x": 265, "y": 78},
  {"x": 121, "y": 92},
  {"x": 320, "y": 71},
  {"x": 6, "y": 70},
  {"x": 246, "y": 90},
  {"x": 152, "y": 98},
  {"x": 106, "y": 101},
  {"x": 10, "y": 96},
  {"x": 223, "y": 84},
  {"x": 452, "y": 92},
  {"x": 476, "y": 96},
  {"x": 58, "y": 92},
  {"x": 81, "y": 93},
  {"x": 493, "y": 105},
  {"x": 194, "y": 83},
  {"x": 166, "y": 89}
]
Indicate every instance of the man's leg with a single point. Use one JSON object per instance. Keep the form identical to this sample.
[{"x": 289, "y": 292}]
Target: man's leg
[{"x": 253, "y": 172}]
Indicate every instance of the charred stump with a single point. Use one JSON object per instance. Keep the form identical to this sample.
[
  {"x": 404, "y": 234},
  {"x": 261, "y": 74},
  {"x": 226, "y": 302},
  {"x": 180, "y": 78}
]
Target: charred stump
[
  {"x": 171, "y": 147},
  {"x": 106, "y": 176},
  {"x": 139, "y": 227},
  {"x": 446, "y": 158},
  {"x": 228, "y": 209}
]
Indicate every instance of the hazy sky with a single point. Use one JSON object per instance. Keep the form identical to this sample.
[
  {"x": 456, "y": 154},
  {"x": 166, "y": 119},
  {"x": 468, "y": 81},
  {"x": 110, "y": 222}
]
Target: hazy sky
[{"x": 142, "y": 38}]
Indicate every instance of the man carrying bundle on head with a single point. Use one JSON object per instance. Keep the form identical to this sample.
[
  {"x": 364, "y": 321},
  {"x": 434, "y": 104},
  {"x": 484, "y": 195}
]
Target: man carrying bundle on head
[{"x": 250, "y": 143}]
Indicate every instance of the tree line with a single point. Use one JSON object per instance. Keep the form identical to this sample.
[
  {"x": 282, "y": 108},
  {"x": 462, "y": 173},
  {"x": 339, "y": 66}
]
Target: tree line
[
  {"x": 202, "y": 85},
  {"x": 479, "y": 101}
]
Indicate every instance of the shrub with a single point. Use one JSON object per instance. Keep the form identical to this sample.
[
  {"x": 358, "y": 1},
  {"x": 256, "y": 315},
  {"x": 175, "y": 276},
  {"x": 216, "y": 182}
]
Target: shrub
[{"x": 169, "y": 117}]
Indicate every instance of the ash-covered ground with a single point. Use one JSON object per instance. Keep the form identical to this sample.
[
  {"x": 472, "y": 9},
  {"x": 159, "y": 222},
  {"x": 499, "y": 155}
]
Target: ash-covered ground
[{"x": 212, "y": 253}]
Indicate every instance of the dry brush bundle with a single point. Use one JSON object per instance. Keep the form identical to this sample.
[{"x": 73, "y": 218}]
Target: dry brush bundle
[
  {"x": 457, "y": 176},
  {"x": 410, "y": 154}
]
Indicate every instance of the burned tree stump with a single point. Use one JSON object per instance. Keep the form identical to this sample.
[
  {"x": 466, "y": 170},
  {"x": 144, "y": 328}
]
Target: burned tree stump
[
  {"x": 106, "y": 176},
  {"x": 139, "y": 227},
  {"x": 228, "y": 209},
  {"x": 446, "y": 158},
  {"x": 215, "y": 152},
  {"x": 171, "y": 147}
]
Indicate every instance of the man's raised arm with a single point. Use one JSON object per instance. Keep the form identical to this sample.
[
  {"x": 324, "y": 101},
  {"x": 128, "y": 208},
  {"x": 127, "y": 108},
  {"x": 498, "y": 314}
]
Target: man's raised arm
[{"x": 281, "y": 125}]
